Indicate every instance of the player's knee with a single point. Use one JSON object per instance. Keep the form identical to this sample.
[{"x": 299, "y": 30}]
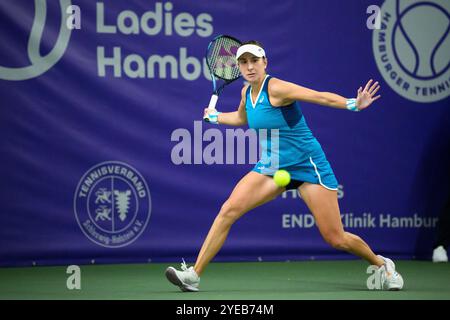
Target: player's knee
[
  {"x": 336, "y": 239},
  {"x": 229, "y": 212}
]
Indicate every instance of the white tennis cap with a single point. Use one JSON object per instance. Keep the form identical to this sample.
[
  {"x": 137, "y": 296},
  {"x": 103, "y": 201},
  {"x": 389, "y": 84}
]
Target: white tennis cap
[{"x": 250, "y": 48}]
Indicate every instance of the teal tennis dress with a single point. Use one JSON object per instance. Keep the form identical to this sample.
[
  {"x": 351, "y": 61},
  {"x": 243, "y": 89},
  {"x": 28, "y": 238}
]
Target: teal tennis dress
[{"x": 286, "y": 141}]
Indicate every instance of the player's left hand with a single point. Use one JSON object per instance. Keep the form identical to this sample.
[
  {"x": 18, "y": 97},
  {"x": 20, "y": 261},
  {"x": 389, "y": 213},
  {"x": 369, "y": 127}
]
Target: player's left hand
[{"x": 366, "y": 96}]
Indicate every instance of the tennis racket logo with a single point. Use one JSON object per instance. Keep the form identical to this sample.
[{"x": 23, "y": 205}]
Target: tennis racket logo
[
  {"x": 226, "y": 56},
  {"x": 225, "y": 65},
  {"x": 41, "y": 64},
  {"x": 411, "y": 48}
]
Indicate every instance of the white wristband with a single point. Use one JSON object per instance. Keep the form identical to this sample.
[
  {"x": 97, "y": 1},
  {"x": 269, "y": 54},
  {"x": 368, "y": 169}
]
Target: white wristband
[
  {"x": 351, "y": 105},
  {"x": 214, "y": 117}
]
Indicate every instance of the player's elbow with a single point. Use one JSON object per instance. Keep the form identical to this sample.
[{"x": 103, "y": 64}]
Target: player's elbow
[{"x": 242, "y": 122}]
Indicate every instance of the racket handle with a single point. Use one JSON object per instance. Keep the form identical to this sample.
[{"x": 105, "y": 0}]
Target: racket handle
[
  {"x": 213, "y": 101},
  {"x": 212, "y": 105}
]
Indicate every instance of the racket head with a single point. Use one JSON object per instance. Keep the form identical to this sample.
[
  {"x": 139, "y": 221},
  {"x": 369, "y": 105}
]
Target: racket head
[{"x": 221, "y": 58}]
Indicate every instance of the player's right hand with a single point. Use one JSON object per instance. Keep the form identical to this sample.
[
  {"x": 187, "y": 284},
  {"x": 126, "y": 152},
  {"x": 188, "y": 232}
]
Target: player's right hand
[{"x": 211, "y": 115}]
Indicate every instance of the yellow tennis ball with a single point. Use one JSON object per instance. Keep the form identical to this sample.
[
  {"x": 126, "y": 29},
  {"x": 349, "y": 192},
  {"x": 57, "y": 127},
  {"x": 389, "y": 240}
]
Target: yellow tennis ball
[{"x": 282, "y": 178}]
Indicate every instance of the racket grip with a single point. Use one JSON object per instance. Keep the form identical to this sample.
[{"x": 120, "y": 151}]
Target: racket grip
[
  {"x": 212, "y": 105},
  {"x": 213, "y": 101}
]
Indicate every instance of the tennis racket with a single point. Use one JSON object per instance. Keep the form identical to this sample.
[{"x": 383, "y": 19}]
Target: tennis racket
[{"x": 222, "y": 64}]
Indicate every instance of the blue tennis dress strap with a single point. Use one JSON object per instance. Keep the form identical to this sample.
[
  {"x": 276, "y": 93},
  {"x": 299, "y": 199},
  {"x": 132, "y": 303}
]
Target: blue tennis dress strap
[{"x": 286, "y": 141}]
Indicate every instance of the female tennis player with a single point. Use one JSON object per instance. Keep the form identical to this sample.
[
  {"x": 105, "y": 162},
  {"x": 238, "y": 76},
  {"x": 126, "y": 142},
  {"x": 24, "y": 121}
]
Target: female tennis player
[{"x": 269, "y": 103}]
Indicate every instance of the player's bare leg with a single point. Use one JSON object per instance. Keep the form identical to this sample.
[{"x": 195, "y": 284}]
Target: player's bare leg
[
  {"x": 253, "y": 190},
  {"x": 324, "y": 206}
]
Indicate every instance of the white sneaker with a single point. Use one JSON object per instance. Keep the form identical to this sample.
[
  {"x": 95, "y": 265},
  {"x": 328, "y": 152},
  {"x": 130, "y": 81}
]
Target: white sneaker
[
  {"x": 440, "y": 255},
  {"x": 187, "y": 279},
  {"x": 390, "y": 279}
]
